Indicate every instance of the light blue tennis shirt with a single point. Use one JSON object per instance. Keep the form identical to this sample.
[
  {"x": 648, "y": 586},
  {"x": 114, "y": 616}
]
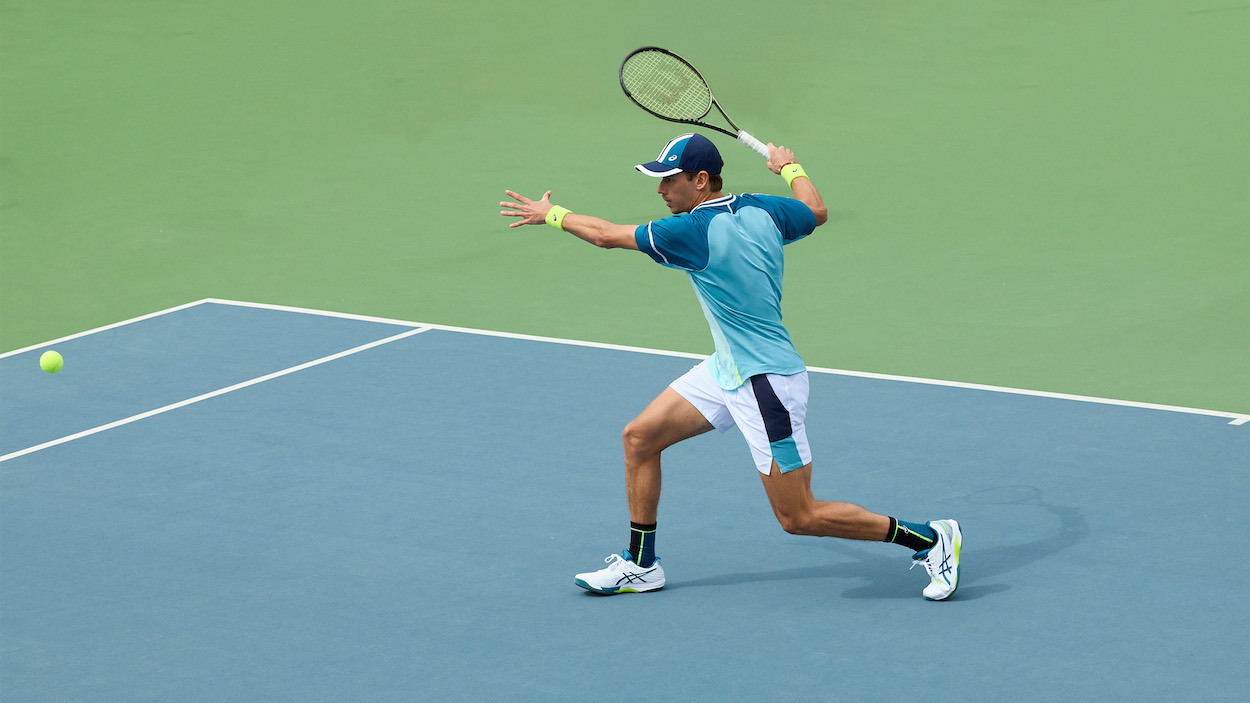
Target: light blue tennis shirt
[{"x": 731, "y": 249}]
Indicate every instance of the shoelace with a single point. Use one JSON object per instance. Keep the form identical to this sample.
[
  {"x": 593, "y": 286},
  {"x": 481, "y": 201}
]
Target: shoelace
[
  {"x": 928, "y": 565},
  {"x": 613, "y": 558}
]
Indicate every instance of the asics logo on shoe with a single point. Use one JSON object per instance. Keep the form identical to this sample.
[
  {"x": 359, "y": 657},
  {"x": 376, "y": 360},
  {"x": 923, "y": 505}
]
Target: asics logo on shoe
[{"x": 634, "y": 577}]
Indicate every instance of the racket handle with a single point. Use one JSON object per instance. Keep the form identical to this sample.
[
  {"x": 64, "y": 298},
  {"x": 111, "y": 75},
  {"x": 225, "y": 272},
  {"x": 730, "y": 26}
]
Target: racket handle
[{"x": 759, "y": 147}]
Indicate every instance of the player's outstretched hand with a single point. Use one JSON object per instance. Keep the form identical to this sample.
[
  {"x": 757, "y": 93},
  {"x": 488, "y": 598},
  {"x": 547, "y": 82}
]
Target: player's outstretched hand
[
  {"x": 779, "y": 156},
  {"x": 531, "y": 212}
]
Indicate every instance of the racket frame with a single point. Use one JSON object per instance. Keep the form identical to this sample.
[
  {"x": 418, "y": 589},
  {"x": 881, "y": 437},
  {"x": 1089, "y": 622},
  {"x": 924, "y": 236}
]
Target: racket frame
[{"x": 738, "y": 133}]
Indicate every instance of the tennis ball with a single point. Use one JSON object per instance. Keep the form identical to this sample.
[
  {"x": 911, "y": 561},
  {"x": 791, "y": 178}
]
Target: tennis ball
[{"x": 51, "y": 362}]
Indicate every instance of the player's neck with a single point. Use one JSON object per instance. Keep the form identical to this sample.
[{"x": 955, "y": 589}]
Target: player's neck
[{"x": 706, "y": 198}]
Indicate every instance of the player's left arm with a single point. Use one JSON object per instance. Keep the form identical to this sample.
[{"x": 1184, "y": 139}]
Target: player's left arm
[
  {"x": 804, "y": 190},
  {"x": 595, "y": 230}
]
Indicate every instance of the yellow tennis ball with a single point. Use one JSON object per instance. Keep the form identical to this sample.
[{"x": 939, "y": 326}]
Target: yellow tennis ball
[{"x": 51, "y": 362}]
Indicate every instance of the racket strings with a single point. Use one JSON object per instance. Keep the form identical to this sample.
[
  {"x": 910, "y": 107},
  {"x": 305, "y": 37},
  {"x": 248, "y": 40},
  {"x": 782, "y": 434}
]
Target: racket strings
[{"x": 666, "y": 86}]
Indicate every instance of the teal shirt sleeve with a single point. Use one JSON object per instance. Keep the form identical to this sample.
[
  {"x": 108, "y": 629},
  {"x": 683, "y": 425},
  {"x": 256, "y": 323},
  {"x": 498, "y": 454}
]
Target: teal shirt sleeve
[
  {"x": 794, "y": 219},
  {"x": 678, "y": 242}
]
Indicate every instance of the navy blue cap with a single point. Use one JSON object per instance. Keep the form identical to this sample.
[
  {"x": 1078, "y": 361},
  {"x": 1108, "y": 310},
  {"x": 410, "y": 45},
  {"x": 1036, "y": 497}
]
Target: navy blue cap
[{"x": 689, "y": 152}]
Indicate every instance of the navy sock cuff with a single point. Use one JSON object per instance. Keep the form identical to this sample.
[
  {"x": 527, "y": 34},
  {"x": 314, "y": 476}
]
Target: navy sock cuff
[
  {"x": 642, "y": 543},
  {"x": 912, "y": 535}
]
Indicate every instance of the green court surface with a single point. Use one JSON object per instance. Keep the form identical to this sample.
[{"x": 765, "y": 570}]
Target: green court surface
[{"x": 1050, "y": 196}]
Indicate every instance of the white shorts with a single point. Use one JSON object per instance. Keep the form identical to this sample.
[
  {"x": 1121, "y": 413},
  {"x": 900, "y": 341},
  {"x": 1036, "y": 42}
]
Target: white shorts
[{"x": 768, "y": 409}]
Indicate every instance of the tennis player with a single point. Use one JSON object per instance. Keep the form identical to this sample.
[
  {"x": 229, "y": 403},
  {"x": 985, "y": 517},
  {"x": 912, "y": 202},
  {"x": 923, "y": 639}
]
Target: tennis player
[{"x": 731, "y": 247}]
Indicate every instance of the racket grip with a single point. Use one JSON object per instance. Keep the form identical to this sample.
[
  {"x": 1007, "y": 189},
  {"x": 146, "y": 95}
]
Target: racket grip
[{"x": 759, "y": 147}]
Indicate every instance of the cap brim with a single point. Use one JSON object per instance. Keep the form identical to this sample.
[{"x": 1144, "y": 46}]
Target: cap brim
[{"x": 657, "y": 169}]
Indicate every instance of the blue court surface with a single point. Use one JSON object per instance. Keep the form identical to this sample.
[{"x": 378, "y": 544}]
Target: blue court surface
[{"x": 245, "y": 503}]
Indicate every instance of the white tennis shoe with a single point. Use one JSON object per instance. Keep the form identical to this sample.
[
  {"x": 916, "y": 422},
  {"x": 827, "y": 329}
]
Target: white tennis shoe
[
  {"x": 942, "y": 560},
  {"x": 622, "y": 575}
]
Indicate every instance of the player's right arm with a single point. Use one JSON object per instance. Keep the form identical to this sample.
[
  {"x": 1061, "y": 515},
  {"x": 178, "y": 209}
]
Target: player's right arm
[
  {"x": 804, "y": 190},
  {"x": 600, "y": 232},
  {"x": 595, "y": 230}
]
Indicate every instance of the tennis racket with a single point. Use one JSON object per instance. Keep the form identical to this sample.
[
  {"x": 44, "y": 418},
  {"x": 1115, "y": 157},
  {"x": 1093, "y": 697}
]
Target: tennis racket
[{"x": 667, "y": 86}]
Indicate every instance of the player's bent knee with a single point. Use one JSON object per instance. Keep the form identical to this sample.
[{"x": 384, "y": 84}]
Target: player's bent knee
[
  {"x": 636, "y": 439},
  {"x": 796, "y": 523}
]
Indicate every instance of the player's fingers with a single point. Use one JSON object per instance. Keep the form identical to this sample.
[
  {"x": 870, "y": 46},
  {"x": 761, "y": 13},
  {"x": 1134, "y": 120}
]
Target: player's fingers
[{"x": 517, "y": 196}]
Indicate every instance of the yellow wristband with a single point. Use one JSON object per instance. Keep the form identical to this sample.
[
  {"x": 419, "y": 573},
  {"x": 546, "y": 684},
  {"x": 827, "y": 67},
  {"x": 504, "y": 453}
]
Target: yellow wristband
[
  {"x": 555, "y": 216},
  {"x": 791, "y": 172}
]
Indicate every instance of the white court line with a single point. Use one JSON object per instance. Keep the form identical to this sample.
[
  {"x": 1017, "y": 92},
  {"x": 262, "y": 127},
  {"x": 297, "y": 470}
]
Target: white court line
[
  {"x": 212, "y": 394},
  {"x": 1235, "y": 418},
  {"x": 105, "y": 328},
  {"x": 450, "y": 328}
]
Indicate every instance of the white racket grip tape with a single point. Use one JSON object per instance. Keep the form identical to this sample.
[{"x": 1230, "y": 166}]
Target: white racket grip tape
[{"x": 759, "y": 147}]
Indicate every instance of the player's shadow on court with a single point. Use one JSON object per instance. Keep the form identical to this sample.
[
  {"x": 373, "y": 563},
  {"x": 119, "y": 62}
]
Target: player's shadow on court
[{"x": 980, "y": 566}]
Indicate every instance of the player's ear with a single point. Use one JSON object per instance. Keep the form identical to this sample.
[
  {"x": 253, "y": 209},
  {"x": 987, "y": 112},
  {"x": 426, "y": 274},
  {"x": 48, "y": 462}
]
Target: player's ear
[{"x": 701, "y": 180}]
